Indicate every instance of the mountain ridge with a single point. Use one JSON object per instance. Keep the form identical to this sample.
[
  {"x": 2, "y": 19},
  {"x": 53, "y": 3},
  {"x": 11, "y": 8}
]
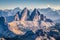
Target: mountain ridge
[
  {"x": 19, "y": 25},
  {"x": 37, "y": 21}
]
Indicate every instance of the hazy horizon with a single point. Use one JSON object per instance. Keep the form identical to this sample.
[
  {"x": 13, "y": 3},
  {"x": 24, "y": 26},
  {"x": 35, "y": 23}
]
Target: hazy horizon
[{"x": 30, "y": 4}]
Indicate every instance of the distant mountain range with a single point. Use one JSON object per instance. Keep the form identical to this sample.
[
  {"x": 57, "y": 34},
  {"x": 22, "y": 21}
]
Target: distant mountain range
[
  {"x": 48, "y": 12},
  {"x": 51, "y": 13}
]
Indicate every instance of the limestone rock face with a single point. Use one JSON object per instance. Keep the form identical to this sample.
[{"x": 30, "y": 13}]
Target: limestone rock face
[{"x": 33, "y": 22}]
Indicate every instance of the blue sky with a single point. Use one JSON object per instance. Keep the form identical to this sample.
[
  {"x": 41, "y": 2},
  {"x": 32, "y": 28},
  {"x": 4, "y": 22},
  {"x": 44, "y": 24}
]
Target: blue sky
[{"x": 11, "y": 4}]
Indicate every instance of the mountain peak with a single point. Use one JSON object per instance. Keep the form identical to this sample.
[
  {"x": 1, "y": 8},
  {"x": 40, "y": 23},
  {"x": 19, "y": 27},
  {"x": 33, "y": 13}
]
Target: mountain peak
[
  {"x": 36, "y": 11},
  {"x": 25, "y": 12},
  {"x": 25, "y": 8},
  {"x": 34, "y": 14}
]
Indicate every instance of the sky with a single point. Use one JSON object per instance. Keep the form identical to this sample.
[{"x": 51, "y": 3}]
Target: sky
[{"x": 30, "y": 4}]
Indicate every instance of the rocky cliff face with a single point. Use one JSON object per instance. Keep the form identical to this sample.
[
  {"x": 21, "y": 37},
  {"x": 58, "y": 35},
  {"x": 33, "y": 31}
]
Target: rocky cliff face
[{"x": 32, "y": 22}]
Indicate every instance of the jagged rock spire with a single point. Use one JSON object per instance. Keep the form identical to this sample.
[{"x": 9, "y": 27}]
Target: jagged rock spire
[
  {"x": 34, "y": 14},
  {"x": 24, "y": 14},
  {"x": 17, "y": 16}
]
